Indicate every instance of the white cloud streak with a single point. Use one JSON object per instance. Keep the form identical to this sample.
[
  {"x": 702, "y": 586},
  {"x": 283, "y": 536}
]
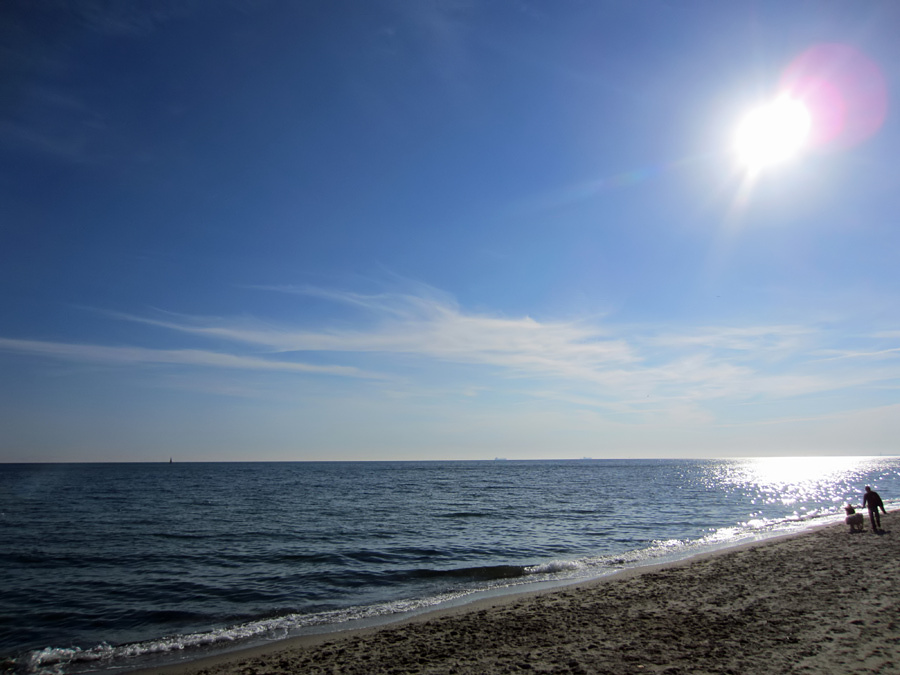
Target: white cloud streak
[
  {"x": 620, "y": 369},
  {"x": 185, "y": 357},
  {"x": 611, "y": 365},
  {"x": 837, "y": 355},
  {"x": 435, "y": 329}
]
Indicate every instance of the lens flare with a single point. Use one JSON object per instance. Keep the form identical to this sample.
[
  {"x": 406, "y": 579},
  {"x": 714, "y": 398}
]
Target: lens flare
[{"x": 844, "y": 91}]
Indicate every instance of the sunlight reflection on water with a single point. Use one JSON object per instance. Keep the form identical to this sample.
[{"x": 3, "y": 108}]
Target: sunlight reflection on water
[{"x": 797, "y": 480}]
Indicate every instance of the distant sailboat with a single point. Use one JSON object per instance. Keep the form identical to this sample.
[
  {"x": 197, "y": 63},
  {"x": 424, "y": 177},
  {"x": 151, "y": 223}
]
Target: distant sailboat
[{"x": 170, "y": 460}]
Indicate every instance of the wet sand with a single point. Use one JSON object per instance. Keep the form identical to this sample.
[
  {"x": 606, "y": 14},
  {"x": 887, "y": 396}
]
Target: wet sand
[{"x": 825, "y": 602}]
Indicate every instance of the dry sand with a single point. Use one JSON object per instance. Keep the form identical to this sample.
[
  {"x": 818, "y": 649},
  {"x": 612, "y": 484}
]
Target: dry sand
[{"x": 821, "y": 603}]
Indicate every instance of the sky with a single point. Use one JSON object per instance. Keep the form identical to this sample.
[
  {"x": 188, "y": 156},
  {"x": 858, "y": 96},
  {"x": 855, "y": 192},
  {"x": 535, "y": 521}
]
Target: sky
[{"x": 445, "y": 229}]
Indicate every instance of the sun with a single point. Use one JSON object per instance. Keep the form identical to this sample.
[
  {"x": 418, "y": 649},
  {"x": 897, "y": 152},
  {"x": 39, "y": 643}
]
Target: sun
[{"x": 772, "y": 133}]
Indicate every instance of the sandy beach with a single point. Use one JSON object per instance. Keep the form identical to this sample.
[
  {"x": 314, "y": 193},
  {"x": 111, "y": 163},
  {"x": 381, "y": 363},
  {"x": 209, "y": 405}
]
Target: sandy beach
[{"x": 825, "y": 602}]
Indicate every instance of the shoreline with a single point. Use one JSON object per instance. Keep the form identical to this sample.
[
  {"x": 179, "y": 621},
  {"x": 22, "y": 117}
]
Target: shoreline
[{"x": 821, "y": 601}]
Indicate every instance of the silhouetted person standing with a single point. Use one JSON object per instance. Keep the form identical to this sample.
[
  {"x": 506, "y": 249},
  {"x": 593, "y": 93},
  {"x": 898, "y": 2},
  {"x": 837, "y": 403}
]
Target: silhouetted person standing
[{"x": 873, "y": 502}]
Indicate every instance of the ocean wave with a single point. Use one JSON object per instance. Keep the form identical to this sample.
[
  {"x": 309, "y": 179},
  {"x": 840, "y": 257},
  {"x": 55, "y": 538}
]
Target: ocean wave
[
  {"x": 555, "y": 566},
  {"x": 58, "y": 660},
  {"x": 293, "y": 546},
  {"x": 475, "y": 573}
]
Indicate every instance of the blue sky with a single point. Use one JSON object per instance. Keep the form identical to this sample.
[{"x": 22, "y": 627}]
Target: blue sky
[{"x": 438, "y": 230}]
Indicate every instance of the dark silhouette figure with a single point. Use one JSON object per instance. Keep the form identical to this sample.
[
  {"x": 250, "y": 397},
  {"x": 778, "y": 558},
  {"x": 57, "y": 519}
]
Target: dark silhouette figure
[{"x": 873, "y": 502}]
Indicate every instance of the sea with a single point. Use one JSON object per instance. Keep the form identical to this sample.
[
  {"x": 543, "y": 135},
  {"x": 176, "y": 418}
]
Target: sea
[{"x": 106, "y": 568}]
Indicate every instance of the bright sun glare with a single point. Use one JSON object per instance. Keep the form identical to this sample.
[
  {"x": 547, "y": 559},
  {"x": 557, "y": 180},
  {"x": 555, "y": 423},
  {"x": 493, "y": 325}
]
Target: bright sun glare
[{"x": 772, "y": 133}]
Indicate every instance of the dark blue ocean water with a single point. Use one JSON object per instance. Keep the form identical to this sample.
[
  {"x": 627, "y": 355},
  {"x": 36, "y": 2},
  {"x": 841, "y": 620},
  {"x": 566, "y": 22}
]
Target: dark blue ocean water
[{"x": 110, "y": 566}]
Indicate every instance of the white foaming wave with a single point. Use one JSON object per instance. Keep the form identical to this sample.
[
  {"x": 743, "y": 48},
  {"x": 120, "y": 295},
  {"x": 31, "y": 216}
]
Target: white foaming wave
[
  {"x": 790, "y": 522},
  {"x": 50, "y": 661},
  {"x": 757, "y": 528},
  {"x": 753, "y": 529},
  {"x": 57, "y": 660},
  {"x": 555, "y": 566}
]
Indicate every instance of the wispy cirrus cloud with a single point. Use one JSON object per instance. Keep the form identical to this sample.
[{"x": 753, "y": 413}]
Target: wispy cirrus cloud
[
  {"x": 185, "y": 357},
  {"x": 429, "y": 327},
  {"x": 837, "y": 355},
  {"x": 769, "y": 338},
  {"x": 641, "y": 364},
  {"x": 422, "y": 339}
]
